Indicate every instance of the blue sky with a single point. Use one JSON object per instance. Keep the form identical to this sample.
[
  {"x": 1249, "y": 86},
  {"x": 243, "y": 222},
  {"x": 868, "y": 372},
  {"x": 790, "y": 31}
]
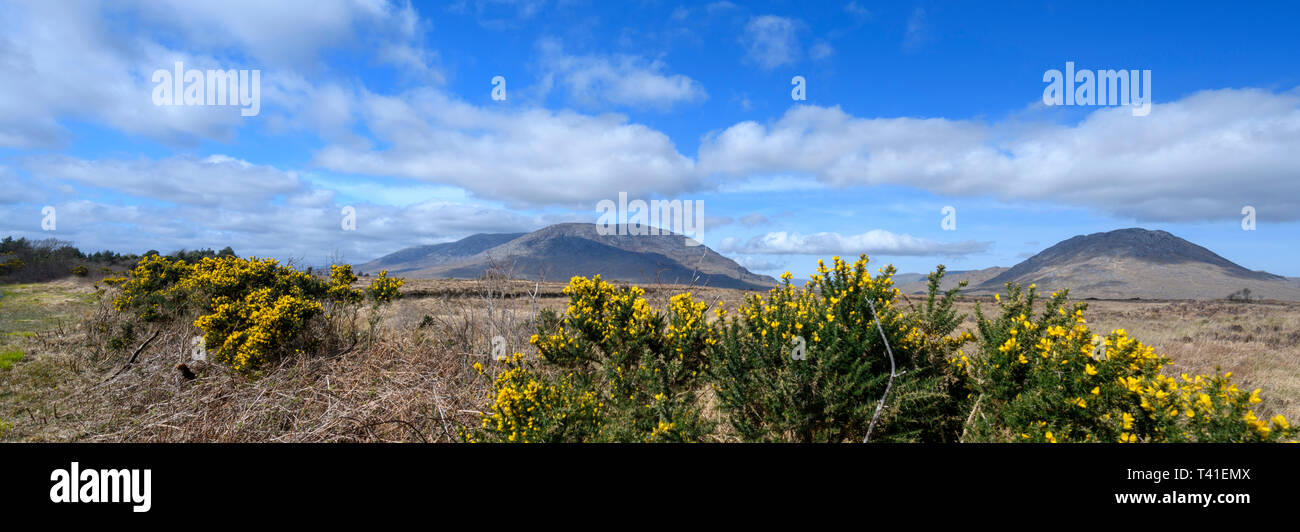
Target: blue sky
[{"x": 911, "y": 107}]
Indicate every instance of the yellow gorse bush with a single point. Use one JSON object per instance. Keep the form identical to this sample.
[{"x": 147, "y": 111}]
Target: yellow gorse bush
[
  {"x": 1049, "y": 378},
  {"x": 808, "y": 364},
  {"x": 341, "y": 279},
  {"x": 636, "y": 368},
  {"x": 251, "y": 311},
  {"x": 528, "y": 409},
  {"x": 247, "y": 331},
  {"x": 384, "y": 289}
]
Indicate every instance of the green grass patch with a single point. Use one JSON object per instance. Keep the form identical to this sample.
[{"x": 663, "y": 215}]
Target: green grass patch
[
  {"x": 10, "y": 357},
  {"x": 29, "y": 308}
]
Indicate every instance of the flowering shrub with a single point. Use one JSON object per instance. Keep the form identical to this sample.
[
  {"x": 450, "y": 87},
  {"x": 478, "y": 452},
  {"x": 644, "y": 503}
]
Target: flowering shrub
[
  {"x": 384, "y": 289},
  {"x": 619, "y": 371},
  {"x": 251, "y": 310},
  {"x": 1048, "y": 378},
  {"x": 246, "y": 333},
  {"x": 809, "y": 364},
  {"x": 340, "y": 288},
  {"x": 148, "y": 291},
  {"x": 529, "y": 408}
]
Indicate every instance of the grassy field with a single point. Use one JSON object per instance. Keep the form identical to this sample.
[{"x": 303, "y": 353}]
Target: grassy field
[
  {"x": 413, "y": 378},
  {"x": 37, "y": 324}
]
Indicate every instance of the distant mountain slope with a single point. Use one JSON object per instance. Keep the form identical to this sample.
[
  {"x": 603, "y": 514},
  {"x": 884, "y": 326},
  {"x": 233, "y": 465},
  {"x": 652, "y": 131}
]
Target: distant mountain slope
[
  {"x": 1124, "y": 264},
  {"x": 918, "y": 283},
  {"x": 561, "y": 251},
  {"x": 1128, "y": 263},
  {"x": 420, "y": 257}
]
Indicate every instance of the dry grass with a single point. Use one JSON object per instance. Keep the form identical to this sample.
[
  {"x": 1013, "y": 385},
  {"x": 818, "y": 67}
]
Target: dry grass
[{"x": 412, "y": 377}]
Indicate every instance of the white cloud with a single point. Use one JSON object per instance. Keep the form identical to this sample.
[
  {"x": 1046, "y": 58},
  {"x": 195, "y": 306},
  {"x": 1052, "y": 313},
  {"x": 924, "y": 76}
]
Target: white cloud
[
  {"x": 759, "y": 264},
  {"x": 15, "y": 189},
  {"x": 856, "y": 10},
  {"x": 821, "y": 50},
  {"x": 1199, "y": 158},
  {"x": 624, "y": 80},
  {"x": 771, "y": 41},
  {"x": 751, "y": 220},
  {"x": 524, "y": 157},
  {"x": 767, "y": 184},
  {"x": 874, "y": 242},
  {"x": 289, "y": 34},
  {"x": 216, "y": 180},
  {"x": 79, "y": 64},
  {"x": 183, "y": 202}
]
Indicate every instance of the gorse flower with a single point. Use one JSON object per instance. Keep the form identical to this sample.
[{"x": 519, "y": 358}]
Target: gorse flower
[
  {"x": 1087, "y": 387},
  {"x": 251, "y": 310},
  {"x": 384, "y": 289},
  {"x": 624, "y": 371}
]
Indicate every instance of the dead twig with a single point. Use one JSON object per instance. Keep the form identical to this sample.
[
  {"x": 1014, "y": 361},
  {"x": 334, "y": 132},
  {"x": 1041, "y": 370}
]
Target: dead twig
[
  {"x": 893, "y": 372},
  {"x": 134, "y": 355}
]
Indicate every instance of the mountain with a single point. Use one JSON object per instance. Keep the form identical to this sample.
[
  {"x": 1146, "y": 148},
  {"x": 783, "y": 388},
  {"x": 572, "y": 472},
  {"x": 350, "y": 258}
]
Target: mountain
[
  {"x": 918, "y": 283},
  {"x": 561, "y": 251},
  {"x": 1135, "y": 263}
]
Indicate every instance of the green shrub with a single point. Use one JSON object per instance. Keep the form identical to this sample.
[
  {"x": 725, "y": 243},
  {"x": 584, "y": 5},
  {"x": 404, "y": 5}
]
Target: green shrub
[
  {"x": 528, "y": 408},
  {"x": 384, "y": 289},
  {"x": 611, "y": 369},
  {"x": 809, "y": 364},
  {"x": 1047, "y": 378},
  {"x": 10, "y": 266}
]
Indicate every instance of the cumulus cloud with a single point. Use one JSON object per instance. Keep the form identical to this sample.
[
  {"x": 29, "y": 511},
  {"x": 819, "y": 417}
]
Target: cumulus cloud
[
  {"x": 620, "y": 80},
  {"x": 78, "y": 64},
  {"x": 15, "y": 189},
  {"x": 1199, "y": 158},
  {"x": 821, "y": 50},
  {"x": 874, "y": 242},
  {"x": 524, "y": 157},
  {"x": 184, "y": 202},
  {"x": 856, "y": 10},
  {"x": 771, "y": 41},
  {"x": 759, "y": 264},
  {"x": 216, "y": 180},
  {"x": 284, "y": 34}
]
